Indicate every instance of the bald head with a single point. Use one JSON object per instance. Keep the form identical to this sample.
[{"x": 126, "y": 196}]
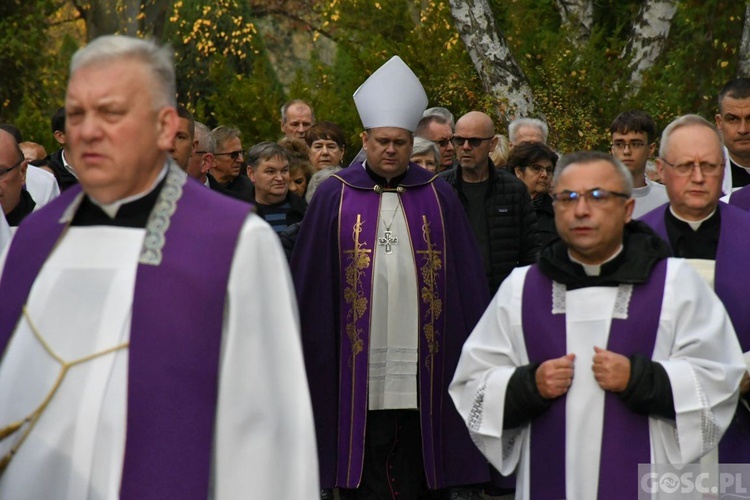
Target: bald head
[
  {"x": 12, "y": 172},
  {"x": 473, "y": 139}
]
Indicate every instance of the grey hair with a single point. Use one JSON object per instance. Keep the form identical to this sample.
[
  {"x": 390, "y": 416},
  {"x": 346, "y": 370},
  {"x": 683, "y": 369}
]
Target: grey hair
[
  {"x": 424, "y": 146},
  {"x": 438, "y": 111},
  {"x": 583, "y": 157},
  {"x": 685, "y": 121},
  {"x": 222, "y": 134},
  {"x": 291, "y": 103},
  {"x": 205, "y": 140},
  {"x": 159, "y": 60},
  {"x": 264, "y": 151},
  {"x": 527, "y": 122}
]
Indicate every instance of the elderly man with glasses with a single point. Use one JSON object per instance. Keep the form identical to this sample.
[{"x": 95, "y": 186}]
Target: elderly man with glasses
[
  {"x": 605, "y": 355},
  {"x": 225, "y": 174},
  {"x": 497, "y": 203},
  {"x": 714, "y": 237},
  {"x": 16, "y": 201}
]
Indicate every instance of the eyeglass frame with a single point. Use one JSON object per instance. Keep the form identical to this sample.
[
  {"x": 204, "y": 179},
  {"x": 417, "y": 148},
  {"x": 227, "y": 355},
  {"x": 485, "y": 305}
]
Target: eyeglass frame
[
  {"x": 538, "y": 169},
  {"x": 587, "y": 195},
  {"x": 474, "y": 142},
  {"x": 4, "y": 171},
  {"x": 633, "y": 146},
  {"x": 677, "y": 167},
  {"x": 233, "y": 154}
]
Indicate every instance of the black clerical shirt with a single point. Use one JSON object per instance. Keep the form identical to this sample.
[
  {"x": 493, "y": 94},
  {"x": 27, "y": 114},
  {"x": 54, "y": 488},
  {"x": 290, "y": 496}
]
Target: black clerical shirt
[{"x": 689, "y": 244}]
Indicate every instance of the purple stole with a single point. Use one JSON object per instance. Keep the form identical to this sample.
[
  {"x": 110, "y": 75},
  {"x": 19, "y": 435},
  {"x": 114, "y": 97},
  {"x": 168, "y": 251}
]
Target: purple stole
[
  {"x": 175, "y": 336},
  {"x": 625, "y": 434},
  {"x": 731, "y": 285},
  {"x": 357, "y": 242}
]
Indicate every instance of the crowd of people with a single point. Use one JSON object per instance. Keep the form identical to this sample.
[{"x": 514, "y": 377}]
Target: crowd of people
[{"x": 453, "y": 314}]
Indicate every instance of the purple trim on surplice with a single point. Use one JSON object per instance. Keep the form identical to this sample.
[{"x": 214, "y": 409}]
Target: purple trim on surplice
[
  {"x": 357, "y": 237},
  {"x": 625, "y": 434},
  {"x": 175, "y": 337},
  {"x": 175, "y": 344},
  {"x": 544, "y": 334},
  {"x": 731, "y": 280}
]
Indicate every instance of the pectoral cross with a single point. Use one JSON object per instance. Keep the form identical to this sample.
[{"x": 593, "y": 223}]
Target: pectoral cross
[{"x": 388, "y": 240}]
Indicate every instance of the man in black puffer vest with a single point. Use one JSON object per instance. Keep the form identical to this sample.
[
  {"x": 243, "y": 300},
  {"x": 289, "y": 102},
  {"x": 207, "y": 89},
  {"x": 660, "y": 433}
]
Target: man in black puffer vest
[{"x": 497, "y": 203}]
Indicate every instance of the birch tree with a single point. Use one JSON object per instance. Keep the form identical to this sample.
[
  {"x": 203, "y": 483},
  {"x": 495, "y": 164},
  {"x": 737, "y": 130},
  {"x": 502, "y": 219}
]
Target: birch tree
[
  {"x": 500, "y": 74},
  {"x": 744, "y": 62},
  {"x": 648, "y": 36},
  {"x": 578, "y": 17}
]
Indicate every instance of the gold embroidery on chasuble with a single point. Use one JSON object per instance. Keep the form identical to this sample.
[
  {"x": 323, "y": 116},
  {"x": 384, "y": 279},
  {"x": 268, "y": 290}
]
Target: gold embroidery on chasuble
[
  {"x": 357, "y": 261},
  {"x": 431, "y": 264}
]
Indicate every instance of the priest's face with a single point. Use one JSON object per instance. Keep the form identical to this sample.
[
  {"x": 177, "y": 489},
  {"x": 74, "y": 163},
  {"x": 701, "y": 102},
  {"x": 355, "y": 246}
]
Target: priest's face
[
  {"x": 388, "y": 150},
  {"x": 694, "y": 194},
  {"x": 119, "y": 131},
  {"x": 592, "y": 228}
]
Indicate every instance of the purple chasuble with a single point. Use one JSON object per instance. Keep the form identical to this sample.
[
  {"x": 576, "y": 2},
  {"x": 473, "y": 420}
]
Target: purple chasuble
[
  {"x": 625, "y": 434},
  {"x": 358, "y": 241},
  {"x": 176, "y": 328},
  {"x": 741, "y": 199},
  {"x": 731, "y": 285},
  {"x": 332, "y": 268}
]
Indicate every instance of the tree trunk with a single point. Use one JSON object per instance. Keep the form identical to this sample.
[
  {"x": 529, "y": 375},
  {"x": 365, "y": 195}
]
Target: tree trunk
[
  {"x": 650, "y": 32},
  {"x": 578, "y": 18},
  {"x": 501, "y": 76},
  {"x": 744, "y": 70},
  {"x": 126, "y": 17}
]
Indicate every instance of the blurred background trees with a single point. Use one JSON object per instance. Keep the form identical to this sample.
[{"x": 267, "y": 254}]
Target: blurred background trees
[{"x": 576, "y": 63}]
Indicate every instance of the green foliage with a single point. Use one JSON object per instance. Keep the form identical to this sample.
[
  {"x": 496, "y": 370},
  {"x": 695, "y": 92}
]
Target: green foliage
[{"x": 226, "y": 75}]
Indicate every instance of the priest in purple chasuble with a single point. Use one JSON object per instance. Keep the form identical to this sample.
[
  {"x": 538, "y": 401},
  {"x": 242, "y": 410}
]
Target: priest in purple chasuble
[
  {"x": 604, "y": 355},
  {"x": 713, "y": 236},
  {"x": 389, "y": 283},
  {"x": 140, "y": 360}
]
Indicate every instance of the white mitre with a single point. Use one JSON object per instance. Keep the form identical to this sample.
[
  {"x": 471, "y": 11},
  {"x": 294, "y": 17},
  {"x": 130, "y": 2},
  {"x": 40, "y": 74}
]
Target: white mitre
[{"x": 391, "y": 97}]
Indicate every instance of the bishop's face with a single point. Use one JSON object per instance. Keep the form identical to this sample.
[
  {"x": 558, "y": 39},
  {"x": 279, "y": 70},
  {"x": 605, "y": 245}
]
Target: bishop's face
[{"x": 388, "y": 150}]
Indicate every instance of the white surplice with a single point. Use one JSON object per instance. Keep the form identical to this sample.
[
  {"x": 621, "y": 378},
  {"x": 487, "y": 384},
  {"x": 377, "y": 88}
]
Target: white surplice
[
  {"x": 264, "y": 440},
  {"x": 695, "y": 344},
  {"x": 394, "y": 324}
]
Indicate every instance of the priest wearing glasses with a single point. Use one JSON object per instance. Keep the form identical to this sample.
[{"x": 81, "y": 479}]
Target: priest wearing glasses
[
  {"x": 389, "y": 283},
  {"x": 131, "y": 369},
  {"x": 714, "y": 237},
  {"x": 604, "y": 355}
]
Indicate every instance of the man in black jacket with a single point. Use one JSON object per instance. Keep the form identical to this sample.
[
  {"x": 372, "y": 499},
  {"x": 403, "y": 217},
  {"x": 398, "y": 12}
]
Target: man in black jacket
[{"x": 497, "y": 203}]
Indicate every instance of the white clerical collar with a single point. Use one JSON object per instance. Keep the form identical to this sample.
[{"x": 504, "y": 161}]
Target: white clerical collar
[
  {"x": 67, "y": 165},
  {"x": 594, "y": 269},
  {"x": 111, "y": 208},
  {"x": 694, "y": 224}
]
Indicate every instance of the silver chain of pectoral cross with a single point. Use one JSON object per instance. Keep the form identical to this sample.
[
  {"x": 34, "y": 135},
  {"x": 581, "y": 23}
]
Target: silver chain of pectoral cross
[{"x": 388, "y": 240}]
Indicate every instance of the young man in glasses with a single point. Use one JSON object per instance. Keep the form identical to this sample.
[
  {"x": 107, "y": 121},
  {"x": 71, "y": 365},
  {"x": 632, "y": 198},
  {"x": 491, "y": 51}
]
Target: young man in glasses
[
  {"x": 605, "y": 355},
  {"x": 225, "y": 175},
  {"x": 633, "y": 135},
  {"x": 713, "y": 235},
  {"x": 497, "y": 203}
]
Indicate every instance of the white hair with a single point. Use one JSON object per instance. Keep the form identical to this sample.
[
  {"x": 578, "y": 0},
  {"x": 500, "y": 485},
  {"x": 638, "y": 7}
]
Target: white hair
[
  {"x": 685, "y": 121},
  {"x": 159, "y": 60},
  {"x": 527, "y": 122}
]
